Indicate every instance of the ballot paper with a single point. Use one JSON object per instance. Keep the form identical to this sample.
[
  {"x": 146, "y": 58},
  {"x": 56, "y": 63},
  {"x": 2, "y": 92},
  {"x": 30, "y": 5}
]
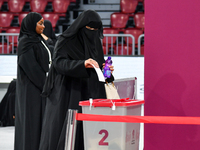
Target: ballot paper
[{"x": 99, "y": 74}]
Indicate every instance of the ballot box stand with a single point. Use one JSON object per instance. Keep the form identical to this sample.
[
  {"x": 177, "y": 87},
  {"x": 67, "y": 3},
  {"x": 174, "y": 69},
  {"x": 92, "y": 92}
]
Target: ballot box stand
[{"x": 111, "y": 135}]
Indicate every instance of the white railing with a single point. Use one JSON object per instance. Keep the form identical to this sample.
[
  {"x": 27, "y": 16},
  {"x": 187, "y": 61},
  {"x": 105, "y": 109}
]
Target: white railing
[
  {"x": 8, "y": 42},
  {"x": 139, "y": 43},
  {"x": 112, "y": 45}
]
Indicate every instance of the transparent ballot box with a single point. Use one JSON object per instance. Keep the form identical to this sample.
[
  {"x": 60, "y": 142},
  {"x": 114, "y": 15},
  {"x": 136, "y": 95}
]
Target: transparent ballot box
[{"x": 111, "y": 135}]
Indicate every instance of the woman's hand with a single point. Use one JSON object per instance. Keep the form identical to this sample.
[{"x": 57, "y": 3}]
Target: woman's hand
[
  {"x": 111, "y": 67},
  {"x": 89, "y": 62}
]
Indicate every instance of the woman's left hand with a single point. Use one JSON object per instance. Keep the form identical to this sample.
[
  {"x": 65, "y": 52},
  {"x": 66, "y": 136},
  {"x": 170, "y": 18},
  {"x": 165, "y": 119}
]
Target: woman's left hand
[{"x": 111, "y": 67}]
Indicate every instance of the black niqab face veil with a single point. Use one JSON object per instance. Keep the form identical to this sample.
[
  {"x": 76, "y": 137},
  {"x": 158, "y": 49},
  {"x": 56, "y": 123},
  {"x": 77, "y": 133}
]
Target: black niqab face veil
[
  {"x": 90, "y": 43},
  {"x": 28, "y": 28},
  {"x": 86, "y": 18}
]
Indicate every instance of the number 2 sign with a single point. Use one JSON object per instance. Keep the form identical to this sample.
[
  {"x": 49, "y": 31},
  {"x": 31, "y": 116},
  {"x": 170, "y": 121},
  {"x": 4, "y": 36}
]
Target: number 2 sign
[{"x": 102, "y": 141}]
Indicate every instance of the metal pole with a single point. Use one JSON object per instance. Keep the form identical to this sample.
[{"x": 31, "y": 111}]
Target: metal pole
[{"x": 71, "y": 129}]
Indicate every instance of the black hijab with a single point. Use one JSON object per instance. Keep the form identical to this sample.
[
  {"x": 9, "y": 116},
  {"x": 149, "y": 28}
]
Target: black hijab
[
  {"x": 28, "y": 35},
  {"x": 48, "y": 31},
  {"x": 81, "y": 43},
  {"x": 89, "y": 45},
  {"x": 29, "y": 38}
]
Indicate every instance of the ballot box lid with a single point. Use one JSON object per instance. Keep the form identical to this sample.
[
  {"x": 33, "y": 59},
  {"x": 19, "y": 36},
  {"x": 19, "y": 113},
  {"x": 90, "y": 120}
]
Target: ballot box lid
[{"x": 111, "y": 102}]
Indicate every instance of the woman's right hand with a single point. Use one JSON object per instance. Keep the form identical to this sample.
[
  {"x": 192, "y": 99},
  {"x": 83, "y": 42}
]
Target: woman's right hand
[
  {"x": 111, "y": 67},
  {"x": 90, "y": 62}
]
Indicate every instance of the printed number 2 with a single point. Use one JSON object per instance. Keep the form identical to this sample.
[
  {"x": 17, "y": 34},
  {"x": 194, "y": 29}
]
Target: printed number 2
[{"x": 101, "y": 142}]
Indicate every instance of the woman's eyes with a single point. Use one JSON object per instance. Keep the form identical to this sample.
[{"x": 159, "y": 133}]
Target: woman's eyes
[{"x": 41, "y": 23}]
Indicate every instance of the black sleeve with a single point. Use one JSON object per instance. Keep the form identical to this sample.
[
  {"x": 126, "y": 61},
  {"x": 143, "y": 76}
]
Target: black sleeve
[
  {"x": 32, "y": 69},
  {"x": 49, "y": 41},
  {"x": 73, "y": 68}
]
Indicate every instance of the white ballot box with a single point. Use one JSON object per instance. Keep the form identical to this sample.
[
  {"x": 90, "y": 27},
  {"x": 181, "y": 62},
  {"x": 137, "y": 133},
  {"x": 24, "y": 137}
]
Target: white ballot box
[{"x": 111, "y": 135}]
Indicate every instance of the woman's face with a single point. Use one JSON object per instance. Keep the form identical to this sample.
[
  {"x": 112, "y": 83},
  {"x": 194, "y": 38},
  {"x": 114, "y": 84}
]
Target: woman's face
[{"x": 40, "y": 26}]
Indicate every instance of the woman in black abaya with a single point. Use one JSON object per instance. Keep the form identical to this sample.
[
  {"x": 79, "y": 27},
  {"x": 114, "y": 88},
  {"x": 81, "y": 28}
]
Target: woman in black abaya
[
  {"x": 72, "y": 78},
  {"x": 32, "y": 67}
]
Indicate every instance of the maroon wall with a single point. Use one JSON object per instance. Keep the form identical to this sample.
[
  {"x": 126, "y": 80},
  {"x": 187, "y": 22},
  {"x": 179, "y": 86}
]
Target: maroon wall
[{"x": 172, "y": 72}]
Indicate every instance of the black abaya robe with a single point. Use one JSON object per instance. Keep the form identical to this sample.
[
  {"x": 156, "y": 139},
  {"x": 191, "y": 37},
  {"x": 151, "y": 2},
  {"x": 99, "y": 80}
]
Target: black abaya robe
[
  {"x": 29, "y": 104},
  {"x": 73, "y": 83},
  {"x": 69, "y": 81},
  {"x": 32, "y": 68}
]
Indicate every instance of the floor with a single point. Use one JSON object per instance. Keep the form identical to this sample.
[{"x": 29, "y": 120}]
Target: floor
[{"x": 7, "y": 138}]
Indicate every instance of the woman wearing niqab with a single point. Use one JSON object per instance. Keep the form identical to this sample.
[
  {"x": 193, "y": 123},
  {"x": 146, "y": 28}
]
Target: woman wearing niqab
[
  {"x": 32, "y": 67},
  {"x": 70, "y": 80}
]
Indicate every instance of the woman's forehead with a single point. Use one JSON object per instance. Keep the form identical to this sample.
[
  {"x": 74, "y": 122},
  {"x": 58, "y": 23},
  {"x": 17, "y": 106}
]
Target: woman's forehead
[{"x": 41, "y": 20}]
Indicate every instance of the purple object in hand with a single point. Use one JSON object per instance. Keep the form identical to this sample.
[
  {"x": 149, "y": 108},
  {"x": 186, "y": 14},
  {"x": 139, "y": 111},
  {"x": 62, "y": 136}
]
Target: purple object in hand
[{"x": 107, "y": 71}]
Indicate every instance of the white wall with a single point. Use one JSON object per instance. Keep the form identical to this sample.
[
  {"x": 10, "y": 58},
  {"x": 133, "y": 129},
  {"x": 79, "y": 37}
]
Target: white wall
[{"x": 125, "y": 67}]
